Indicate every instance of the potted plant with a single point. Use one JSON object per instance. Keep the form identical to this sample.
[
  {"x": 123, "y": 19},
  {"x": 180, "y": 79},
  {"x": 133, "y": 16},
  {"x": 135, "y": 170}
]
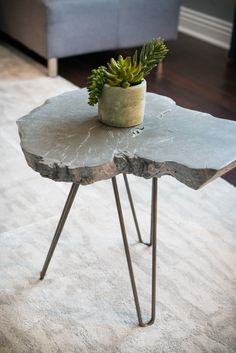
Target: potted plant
[{"x": 120, "y": 87}]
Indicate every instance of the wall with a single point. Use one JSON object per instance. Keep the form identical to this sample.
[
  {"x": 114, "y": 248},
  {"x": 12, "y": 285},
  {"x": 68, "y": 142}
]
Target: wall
[
  {"x": 208, "y": 20},
  {"x": 223, "y": 9}
]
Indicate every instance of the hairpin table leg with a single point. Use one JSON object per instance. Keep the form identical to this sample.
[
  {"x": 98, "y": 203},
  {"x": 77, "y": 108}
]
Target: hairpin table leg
[
  {"x": 134, "y": 214},
  {"x": 127, "y": 252},
  {"x": 60, "y": 226}
]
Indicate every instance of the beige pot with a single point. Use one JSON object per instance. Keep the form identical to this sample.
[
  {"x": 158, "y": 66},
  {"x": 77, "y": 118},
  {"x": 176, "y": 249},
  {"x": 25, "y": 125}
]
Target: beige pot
[{"x": 122, "y": 107}]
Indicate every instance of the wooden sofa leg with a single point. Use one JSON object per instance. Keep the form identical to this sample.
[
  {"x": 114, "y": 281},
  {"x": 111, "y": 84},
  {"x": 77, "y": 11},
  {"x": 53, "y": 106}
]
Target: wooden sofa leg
[
  {"x": 52, "y": 67},
  {"x": 160, "y": 70}
]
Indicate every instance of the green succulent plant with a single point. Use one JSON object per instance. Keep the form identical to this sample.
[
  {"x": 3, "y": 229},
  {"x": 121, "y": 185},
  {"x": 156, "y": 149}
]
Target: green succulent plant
[
  {"x": 123, "y": 72},
  {"x": 126, "y": 72}
]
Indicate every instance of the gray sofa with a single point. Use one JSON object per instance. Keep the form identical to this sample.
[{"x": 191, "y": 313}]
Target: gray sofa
[{"x": 60, "y": 28}]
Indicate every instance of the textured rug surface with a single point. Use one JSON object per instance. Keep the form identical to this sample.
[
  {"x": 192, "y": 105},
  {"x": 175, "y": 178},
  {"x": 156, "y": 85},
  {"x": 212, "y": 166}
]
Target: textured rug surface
[{"x": 85, "y": 303}]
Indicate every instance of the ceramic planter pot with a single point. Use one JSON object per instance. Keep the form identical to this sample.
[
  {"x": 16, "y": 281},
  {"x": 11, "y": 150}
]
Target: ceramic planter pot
[{"x": 122, "y": 107}]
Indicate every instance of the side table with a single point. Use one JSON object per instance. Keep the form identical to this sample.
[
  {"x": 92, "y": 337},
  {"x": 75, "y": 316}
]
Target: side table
[{"x": 64, "y": 141}]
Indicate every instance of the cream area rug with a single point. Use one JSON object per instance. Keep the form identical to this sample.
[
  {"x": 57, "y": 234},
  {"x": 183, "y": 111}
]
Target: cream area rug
[{"x": 85, "y": 303}]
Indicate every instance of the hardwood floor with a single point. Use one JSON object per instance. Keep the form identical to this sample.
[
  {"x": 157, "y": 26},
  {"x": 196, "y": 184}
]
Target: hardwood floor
[{"x": 197, "y": 75}]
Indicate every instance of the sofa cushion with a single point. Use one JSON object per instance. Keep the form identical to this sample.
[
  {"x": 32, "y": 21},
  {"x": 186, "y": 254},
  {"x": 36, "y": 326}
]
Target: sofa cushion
[
  {"x": 142, "y": 20},
  {"x": 81, "y": 26}
]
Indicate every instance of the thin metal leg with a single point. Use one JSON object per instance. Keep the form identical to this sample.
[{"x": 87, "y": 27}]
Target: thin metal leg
[
  {"x": 127, "y": 252},
  {"x": 134, "y": 213},
  {"x": 60, "y": 226}
]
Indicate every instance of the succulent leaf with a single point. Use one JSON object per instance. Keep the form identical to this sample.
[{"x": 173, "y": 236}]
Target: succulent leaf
[{"x": 135, "y": 57}]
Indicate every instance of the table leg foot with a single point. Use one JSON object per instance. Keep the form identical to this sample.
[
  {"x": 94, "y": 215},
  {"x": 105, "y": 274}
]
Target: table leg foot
[
  {"x": 134, "y": 213},
  {"x": 60, "y": 226},
  {"x": 127, "y": 252}
]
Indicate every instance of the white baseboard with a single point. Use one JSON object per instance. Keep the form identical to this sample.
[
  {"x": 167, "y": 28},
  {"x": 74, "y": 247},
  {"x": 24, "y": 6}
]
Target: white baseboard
[{"x": 208, "y": 28}]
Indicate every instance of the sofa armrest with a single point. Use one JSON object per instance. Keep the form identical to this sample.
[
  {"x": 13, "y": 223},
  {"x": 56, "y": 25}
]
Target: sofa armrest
[{"x": 25, "y": 21}]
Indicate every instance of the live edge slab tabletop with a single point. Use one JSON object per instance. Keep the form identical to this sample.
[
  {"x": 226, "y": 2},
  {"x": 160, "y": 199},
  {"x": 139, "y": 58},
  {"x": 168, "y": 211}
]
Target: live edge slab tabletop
[{"x": 64, "y": 140}]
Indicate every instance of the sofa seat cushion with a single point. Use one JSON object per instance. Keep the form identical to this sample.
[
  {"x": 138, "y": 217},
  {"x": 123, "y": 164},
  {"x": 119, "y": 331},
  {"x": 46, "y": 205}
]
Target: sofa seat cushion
[{"x": 87, "y": 25}]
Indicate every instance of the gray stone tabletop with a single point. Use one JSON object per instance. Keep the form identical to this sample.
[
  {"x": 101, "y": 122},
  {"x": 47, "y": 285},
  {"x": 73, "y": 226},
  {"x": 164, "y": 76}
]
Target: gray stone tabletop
[{"x": 64, "y": 140}]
